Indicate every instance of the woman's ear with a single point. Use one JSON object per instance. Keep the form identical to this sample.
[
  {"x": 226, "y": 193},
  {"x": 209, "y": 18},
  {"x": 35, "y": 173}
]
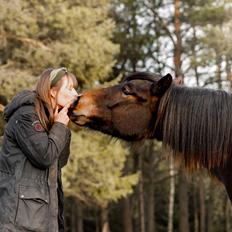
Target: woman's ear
[{"x": 53, "y": 92}]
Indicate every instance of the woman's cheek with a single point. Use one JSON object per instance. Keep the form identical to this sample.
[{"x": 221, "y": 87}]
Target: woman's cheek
[
  {"x": 72, "y": 95},
  {"x": 65, "y": 98},
  {"x": 62, "y": 100}
]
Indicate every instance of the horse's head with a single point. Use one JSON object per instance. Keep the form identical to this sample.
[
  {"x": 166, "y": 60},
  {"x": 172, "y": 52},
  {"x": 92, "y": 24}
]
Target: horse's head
[{"x": 125, "y": 110}]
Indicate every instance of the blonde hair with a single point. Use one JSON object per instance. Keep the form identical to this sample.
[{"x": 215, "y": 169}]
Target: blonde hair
[{"x": 43, "y": 103}]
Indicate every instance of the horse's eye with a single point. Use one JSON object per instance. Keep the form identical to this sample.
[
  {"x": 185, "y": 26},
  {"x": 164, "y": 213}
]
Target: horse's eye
[{"x": 126, "y": 89}]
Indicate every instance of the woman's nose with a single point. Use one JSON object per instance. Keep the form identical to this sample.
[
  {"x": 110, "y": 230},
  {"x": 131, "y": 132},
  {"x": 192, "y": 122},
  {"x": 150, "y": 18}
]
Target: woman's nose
[{"x": 74, "y": 93}]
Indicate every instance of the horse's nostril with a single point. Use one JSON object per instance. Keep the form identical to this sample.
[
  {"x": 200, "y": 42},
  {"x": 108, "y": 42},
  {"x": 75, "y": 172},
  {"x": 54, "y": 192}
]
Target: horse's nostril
[{"x": 72, "y": 114}]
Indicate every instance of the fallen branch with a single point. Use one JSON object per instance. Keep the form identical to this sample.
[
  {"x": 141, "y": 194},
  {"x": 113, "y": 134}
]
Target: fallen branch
[{"x": 27, "y": 40}]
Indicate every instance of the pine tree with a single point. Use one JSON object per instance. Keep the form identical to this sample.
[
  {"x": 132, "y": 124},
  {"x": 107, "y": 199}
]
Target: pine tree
[
  {"x": 94, "y": 173},
  {"x": 76, "y": 34}
]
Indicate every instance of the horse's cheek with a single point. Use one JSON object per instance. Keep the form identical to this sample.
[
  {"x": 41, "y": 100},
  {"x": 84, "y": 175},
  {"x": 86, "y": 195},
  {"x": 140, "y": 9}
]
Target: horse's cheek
[{"x": 131, "y": 121}]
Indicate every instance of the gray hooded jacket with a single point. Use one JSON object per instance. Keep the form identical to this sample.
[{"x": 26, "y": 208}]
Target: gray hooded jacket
[{"x": 30, "y": 164}]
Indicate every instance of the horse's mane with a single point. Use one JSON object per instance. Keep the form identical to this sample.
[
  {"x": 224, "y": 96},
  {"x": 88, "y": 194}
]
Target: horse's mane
[
  {"x": 142, "y": 76},
  {"x": 197, "y": 125}
]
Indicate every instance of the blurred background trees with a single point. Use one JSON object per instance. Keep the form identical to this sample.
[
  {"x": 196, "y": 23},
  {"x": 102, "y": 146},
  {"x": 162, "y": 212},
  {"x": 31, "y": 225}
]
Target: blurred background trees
[{"x": 111, "y": 185}]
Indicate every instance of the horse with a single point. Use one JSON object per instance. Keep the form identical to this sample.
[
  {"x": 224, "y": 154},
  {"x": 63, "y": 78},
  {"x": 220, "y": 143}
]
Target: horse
[{"x": 194, "y": 123}]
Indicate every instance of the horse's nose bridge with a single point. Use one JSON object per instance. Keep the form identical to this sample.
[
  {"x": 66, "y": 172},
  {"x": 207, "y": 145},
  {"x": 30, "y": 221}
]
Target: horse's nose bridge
[
  {"x": 94, "y": 101},
  {"x": 101, "y": 97},
  {"x": 89, "y": 101}
]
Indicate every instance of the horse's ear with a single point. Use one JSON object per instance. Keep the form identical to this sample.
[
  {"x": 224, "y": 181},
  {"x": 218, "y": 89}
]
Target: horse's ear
[{"x": 162, "y": 85}]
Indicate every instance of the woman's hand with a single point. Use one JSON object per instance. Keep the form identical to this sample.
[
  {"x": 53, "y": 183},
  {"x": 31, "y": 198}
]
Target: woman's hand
[{"x": 62, "y": 115}]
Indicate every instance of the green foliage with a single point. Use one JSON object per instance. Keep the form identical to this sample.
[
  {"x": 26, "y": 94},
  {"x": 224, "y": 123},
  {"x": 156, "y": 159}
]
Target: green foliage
[
  {"x": 15, "y": 80},
  {"x": 204, "y": 12},
  {"x": 75, "y": 34},
  {"x": 133, "y": 37},
  {"x": 11, "y": 82},
  {"x": 94, "y": 172},
  {"x": 38, "y": 34},
  {"x": 208, "y": 14},
  {"x": 218, "y": 39}
]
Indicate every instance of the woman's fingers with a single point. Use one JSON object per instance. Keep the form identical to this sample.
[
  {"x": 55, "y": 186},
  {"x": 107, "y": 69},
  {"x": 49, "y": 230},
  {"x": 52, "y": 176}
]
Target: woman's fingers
[
  {"x": 56, "y": 111},
  {"x": 67, "y": 106},
  {"x": 62, "y": 115}
]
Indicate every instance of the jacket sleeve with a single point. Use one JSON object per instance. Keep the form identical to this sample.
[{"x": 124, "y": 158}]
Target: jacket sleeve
[
  {"x": 40, "y": 147},
  {"x": 63, "y": 158}
]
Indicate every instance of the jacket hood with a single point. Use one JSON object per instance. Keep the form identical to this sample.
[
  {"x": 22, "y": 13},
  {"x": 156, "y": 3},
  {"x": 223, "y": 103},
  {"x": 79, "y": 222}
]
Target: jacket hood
[{"x": 26, "y": 97}]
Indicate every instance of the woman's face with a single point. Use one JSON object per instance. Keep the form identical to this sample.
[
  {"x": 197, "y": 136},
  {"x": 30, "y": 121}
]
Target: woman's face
[{"x": 65, "y": 93}]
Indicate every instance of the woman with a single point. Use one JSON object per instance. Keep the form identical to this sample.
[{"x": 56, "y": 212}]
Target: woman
[{"x": 35, "y": 148}]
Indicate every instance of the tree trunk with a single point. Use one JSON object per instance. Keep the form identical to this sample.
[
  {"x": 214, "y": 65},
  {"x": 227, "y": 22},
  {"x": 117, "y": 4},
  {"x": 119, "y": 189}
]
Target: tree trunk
[
  {"x": 218, "y": 72},
  {"x": 79, "y": 218},
  {"x": 97, "y": 221},
  {"x": 73, "y": 215},
  {"x": 228, "y": 71},
  {"x": 76, "y": 216},
  {"x": 183, "y": 202},
  {"x": 178, "y": 44},
  {"x": 202, "y": 204},
  {"x": 171, "y": 196},
  {"x": 104, "y": 220},
  {"x": 228, "y": 215},
  {"x": 126, "y": 214},
  {"x": 195, "y": 57},
  {"x": 150, "y": 191},
  {"x": 141, "y": 196},
  {"x": 210, "y": 207},
  {"x": 134, "y": 31},
  {"x": 195, "y": 203}
]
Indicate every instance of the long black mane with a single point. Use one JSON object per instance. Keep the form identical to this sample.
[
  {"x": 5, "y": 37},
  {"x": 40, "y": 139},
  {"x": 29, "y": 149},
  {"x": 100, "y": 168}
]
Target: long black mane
[{"x": 197, "y": 125}]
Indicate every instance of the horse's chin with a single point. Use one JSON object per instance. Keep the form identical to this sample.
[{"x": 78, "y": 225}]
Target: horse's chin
[
  {"x": 130, "y": 138},
  {"x": 112, "y": 131},
  {"x": 80, "y": 120}
]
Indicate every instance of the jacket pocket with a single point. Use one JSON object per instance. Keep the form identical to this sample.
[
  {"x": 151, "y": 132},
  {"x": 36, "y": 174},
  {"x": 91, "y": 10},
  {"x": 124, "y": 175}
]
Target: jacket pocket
[{"x": 32, "y": 209}]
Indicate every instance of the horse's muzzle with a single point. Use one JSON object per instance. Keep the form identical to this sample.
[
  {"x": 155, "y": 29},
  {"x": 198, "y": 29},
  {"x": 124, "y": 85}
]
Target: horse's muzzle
[{"x": 74, "y": 104}]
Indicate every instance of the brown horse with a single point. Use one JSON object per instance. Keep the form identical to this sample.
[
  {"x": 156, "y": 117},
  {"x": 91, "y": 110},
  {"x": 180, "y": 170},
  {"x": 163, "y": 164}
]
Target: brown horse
[{"x": 195, "y": 123}]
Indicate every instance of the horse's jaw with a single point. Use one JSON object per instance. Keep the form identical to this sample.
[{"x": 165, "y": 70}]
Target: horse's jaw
[
  {"x": 80, "y": 120},
  {"x": 106, "y": 127}
]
